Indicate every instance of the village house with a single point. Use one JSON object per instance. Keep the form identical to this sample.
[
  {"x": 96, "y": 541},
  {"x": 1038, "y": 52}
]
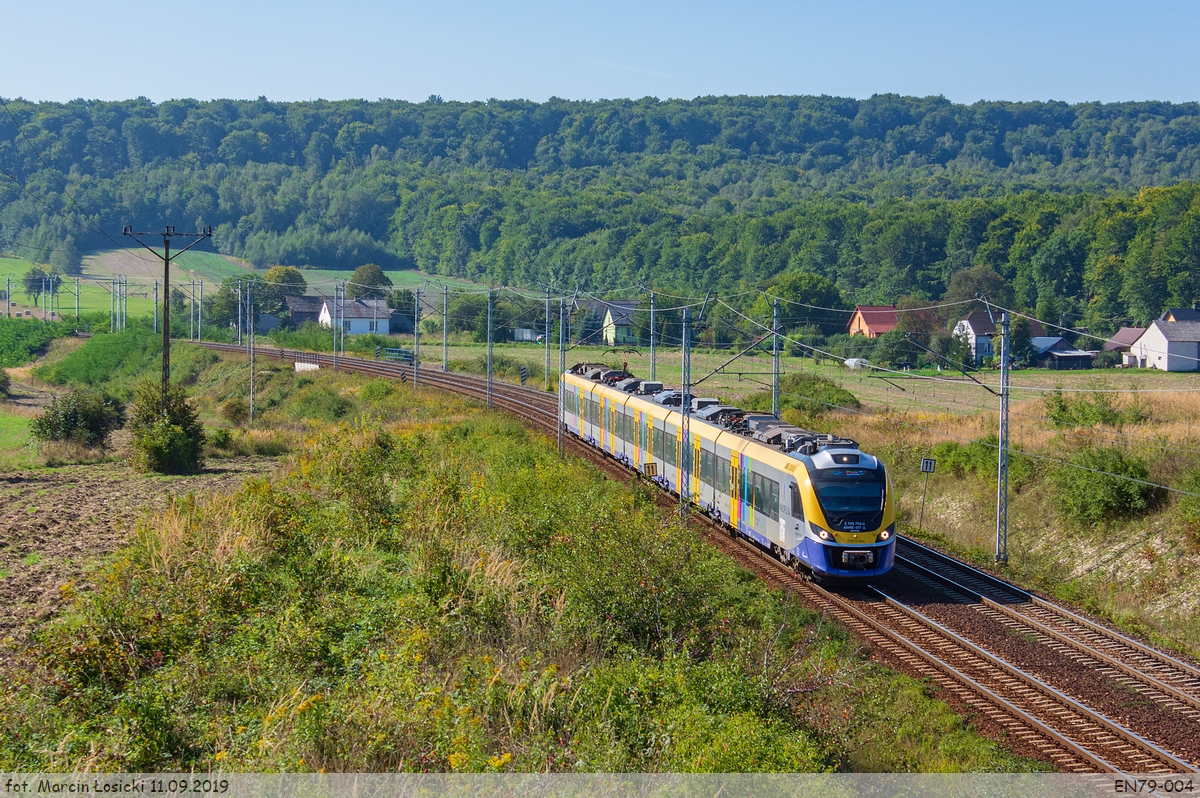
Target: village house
[
  {"x": 362, "y": 316},
  {"x": 1122, "y": 341},
  {"x": 1167, "y": 345},
  {"x": 617, "y": 329},
  {"x": 1054, "y": 352},
  {"x": 303, "y": 309},
  {"x": 978, "y": 330},
  {"x": 872, "y": 320}
]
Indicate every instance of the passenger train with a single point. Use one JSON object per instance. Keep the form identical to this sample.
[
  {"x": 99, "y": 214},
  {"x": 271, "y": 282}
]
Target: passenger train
[{"x": 816, "y": 501}]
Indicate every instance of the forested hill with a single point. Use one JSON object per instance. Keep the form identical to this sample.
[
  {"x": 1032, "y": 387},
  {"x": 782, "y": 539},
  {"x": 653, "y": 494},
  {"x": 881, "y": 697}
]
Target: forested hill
[{"x": 709, "y": 193}]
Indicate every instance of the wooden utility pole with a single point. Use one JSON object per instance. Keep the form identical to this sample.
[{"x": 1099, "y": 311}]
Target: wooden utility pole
[{"x": 167, "y": 234}]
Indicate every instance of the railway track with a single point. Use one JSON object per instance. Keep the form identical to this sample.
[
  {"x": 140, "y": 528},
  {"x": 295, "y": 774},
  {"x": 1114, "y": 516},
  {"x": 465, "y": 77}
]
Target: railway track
[{"x": 1043, "y": 719}]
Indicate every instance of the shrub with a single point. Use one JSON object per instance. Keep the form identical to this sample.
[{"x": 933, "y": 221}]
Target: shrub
[
  {"x": 170, "y": 442},
  {"x": 377, "y": 390},
  {"x": 1189, "y": 507},
  {"x": 86, "y": 417},
  {"x": 1097, "y": 408},
  {"x": 235, "y": 411},
  {"x": 5, "y": 383},
  {"x": 980, "y": 457},
  {"x": 21, "y": 341},
  {"x": 221, "y": 438},
  {"x": 1084, "y": 494},
  {"x": 813, "y": 396},
  {"x": 321, "y": 403}
]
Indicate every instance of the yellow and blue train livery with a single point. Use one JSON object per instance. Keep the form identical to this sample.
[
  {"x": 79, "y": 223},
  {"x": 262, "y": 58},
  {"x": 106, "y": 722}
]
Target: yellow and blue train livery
[{"x": 816, "y": 501}]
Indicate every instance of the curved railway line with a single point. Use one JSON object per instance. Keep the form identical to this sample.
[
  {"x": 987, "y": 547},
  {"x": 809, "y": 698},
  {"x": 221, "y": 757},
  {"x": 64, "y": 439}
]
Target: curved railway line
[{"x": 1014, "y": 657}]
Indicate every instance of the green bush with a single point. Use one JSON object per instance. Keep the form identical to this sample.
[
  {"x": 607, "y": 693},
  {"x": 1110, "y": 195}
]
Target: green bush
[
  {"x": 321, "y": 403},
  {"x": 84, "y": 416},
  {"x": 5, "y": 383},
  {"x": 170, "y": 442},
  {"x": 22, "y": 340},
  {"x": 982, "y": 458},
  {"x": 1085, "y": 495},
  {"x": 1097, "y": 408},
  {"x": 812, "y": 395},
  {"x": 235, "y": 411},
  {"x": 377, "y": 390},
  {"x": 221, "y": 438},
  {"x": 1189, "y": 507}
]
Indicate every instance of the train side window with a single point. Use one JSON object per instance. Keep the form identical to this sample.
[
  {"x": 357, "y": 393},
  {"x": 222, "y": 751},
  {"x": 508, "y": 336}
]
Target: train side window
[
  {"x": 669, "y": 444},
  {"x": 795, "y": 502},
  {"x": 658, "y": 444},
  {"x": 774, "y": 487},
  {"x": 706, "y": 466},
  {"x": 722, "y": 475}
]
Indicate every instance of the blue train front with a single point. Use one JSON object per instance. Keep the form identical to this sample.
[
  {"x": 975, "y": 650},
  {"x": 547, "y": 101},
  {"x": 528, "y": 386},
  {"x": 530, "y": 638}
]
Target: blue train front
[{"x": 816, "y": 501}]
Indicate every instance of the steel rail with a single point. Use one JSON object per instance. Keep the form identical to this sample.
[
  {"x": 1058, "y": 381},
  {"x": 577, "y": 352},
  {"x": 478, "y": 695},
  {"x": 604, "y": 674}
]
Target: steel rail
[
  {"x": 1043, "y": 629},
  {"x": 1166, "y": 659},
  {"x": 1042, "y": 687}
]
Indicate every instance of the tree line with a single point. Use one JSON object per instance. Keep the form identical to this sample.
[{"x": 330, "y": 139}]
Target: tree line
[{"x": 1078, "y": 211}]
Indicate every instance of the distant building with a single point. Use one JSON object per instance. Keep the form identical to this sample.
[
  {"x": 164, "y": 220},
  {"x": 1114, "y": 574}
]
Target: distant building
[
  {"x": 362, "y": 316},
  {"x": 525, "y": 334},
  {"x": 1122, "y": 341},
  {"x": 1180, "y": 314},
  {"x": 614, "y": 319},
  {"x": 303, "y": 309},
  {"x": 1053, "y": 352},
  {"x": 1168, "y": 345},
  {"x": 618, "y": 323},
  {"x": 872, "y": 320},
  {"x": 979, "y": 330}
]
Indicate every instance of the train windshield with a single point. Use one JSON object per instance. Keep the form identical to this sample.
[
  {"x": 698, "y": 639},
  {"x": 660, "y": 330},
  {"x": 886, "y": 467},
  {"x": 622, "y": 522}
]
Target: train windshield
[{"x": 849, "y": 491}]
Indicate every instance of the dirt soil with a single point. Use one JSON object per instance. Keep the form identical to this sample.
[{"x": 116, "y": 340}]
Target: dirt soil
[{"x": 56, "y": 525}]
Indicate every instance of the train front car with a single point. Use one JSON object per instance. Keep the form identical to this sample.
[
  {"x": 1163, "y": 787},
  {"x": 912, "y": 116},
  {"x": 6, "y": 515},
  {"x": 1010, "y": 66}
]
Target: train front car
[{"x": 849, "y": 524}]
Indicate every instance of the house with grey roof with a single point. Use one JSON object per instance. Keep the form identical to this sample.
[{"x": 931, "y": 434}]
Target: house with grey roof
[
  {"x": 362, "y": 316},
  {"x": 1168, "y": 345}
]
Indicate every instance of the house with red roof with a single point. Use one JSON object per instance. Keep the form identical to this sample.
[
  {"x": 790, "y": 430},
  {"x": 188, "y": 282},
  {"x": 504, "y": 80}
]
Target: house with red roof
[{"x": 872, "y": 320}]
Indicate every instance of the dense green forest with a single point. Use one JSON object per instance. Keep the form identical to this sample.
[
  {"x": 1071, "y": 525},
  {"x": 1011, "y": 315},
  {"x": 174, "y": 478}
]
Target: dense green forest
[{"x": 1077, "y": 211}]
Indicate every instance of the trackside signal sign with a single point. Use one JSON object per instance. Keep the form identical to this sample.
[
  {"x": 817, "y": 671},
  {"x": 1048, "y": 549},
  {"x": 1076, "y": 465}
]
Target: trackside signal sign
[{"x": 927, "y": 465}]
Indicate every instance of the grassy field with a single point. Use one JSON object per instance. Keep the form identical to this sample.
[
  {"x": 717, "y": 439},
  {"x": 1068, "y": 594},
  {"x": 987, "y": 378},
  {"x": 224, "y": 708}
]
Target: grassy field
[
  {"x": 15, "y": 452},
  {"x": 425, "y": 586}
]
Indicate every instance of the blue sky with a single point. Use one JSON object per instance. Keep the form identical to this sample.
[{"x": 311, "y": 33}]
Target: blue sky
[{"x": 474, "y": 50}]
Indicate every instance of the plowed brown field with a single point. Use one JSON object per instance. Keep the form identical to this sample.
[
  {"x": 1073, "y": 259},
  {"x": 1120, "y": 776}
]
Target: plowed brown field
[{"x": 57, "y": 524}]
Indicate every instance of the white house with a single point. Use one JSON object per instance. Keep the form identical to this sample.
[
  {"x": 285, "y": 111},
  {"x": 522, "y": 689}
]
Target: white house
[
  {"x": 978, "y": 329},
  {"x": 1168, "y": 345},
  {"x": 358, "y": 316}
]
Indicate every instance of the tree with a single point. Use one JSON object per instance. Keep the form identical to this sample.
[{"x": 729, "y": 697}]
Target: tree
[
  {"x": 979, "y": 279},
  {"x": 803, "y": 296},
  {"x": 368, "y": 282},
  {"x": 66, "y": 258},
  {"x": 276, "y": 283},
  {"x": 37, "y": 281}
]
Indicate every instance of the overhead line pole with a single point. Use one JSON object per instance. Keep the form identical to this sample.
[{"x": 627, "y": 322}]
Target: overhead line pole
[
  {"x": 200, "y": 315},
  {"x": 775, "y": 363},
  {"x": 416, "y": 338},
  {"x": 445, "y": 327},
  {"x": 1002, "y": 480},
  {"x": 562, "y": 364},
  {"x": 547, "y": 340},
  {"x": 156, "y": 305},
  {"x": 489, "y": 351},
  {"x": 685, "y": 405},
  {"x": 653, "y": 360},
  {"x": 167, "y": 233}
]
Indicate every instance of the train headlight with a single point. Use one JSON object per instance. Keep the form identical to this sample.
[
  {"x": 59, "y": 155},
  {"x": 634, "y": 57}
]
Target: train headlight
[
  {"x": 821, "y": 533},
  {"x": 886, "y": 534}
]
